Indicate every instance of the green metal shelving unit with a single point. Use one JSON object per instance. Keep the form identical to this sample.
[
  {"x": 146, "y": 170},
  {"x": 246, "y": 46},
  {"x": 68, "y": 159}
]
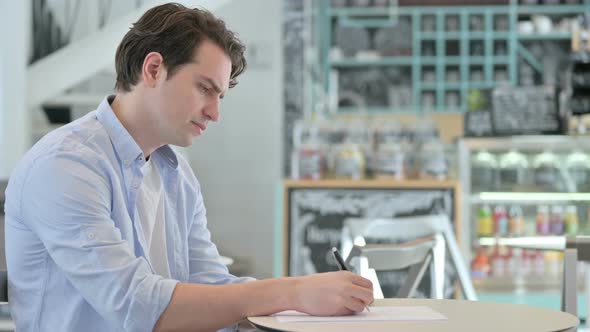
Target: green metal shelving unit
[{"x": 490, "y": 63}]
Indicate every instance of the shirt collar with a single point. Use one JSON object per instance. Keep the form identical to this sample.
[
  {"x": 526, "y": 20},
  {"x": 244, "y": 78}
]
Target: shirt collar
[{"x": 123, "y": 142}]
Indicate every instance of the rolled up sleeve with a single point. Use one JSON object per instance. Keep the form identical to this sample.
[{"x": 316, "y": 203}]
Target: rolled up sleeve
[{"x": 71, "y": 214}]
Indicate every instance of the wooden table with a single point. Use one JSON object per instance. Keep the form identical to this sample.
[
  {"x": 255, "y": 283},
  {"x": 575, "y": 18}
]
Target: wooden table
[{"x": 462, "y": 316}]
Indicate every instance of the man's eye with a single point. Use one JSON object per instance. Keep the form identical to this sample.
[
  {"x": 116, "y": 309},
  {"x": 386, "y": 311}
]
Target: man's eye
[{"x": 204, "y": 89}]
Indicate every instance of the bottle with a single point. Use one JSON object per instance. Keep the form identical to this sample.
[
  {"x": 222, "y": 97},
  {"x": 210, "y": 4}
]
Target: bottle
[
  {"x": 571, "y": 220},
  {"x": 552, "y": 263},
  {"x": 500, "y": 221},
  {"x": 484, "y": 221},
  {"x": 542, "y": 220},
  {"x": 527, "y": 263},
  {"x": 498, "y": 263},
  {"x": 556, "y": 223},
  {"x": 538, "y": 263},
  {"x": 516, "y": 221},
  {"x": 480, "y": 266}
]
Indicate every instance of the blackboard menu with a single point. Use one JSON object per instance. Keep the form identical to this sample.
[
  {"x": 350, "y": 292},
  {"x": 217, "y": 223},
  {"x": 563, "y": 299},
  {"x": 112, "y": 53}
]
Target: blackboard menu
[
  {"x": 478, "y": 124},
  {"x": 316, "y": 216},
  {"x": 525, "y": 110}
]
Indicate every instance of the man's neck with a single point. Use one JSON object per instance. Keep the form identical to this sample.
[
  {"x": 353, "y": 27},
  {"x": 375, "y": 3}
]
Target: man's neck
[{"x": 136, "y": 119}]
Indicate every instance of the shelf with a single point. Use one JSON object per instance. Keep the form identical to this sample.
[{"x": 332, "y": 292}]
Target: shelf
[
  {"x": 457, "y": 35},
  {"x": 565, "y": 36},
  {"x": 391, "y": 110},
  {"x": 539, "y": 282},
  {"x": 527, "y": 242},
  {"x": 425, "y": 60},
  {"x": 382, "y": 61},
  {"x": 553, "y": 10},
  {"x": 421, "y": 10},
  {"x": 377, "y": 183},
  {"x": 429, "y": 10},
  {"x": 523, "y": 198}
]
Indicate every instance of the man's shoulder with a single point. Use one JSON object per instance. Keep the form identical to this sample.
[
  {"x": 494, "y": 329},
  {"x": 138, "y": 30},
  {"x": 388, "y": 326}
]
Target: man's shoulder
[
  {"x": 81, "y": 140},
  {"x": 84, "y": 135}
]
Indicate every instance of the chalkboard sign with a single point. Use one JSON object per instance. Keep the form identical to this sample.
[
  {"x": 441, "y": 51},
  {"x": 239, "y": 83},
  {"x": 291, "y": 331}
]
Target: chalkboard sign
[
  {"x": 316, "y": 216},
  {"x": 478, "y": 124},
  {"x": 525, "y": 110}
]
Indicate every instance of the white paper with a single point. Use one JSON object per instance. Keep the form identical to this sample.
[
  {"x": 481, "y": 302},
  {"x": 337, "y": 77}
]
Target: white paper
[{"x": 381, "y": 313}]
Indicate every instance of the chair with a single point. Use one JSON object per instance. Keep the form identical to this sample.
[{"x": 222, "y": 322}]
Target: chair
[
  {"x": 416, "y": 255},
  {"x": 356, "y": 231},
  {"x": 3, "y": 287}
]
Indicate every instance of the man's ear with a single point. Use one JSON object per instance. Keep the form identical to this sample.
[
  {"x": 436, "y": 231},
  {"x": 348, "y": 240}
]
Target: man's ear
[{"x": 153, "y": 69}]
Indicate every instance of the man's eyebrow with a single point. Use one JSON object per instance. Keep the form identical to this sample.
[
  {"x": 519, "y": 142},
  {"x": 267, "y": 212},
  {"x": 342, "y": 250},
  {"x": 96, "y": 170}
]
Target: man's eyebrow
[{"x": 213, "y": 84}]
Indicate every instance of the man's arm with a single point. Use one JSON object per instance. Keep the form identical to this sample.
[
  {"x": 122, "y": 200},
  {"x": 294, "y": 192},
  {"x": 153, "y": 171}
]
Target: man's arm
[
  {"x": 196, "y": 307},
  {"x": 66, "y": 201}
]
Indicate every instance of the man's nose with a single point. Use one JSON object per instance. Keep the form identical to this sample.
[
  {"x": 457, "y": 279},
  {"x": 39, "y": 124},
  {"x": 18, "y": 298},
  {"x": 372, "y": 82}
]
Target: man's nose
[{"x": 212, "y": 110}]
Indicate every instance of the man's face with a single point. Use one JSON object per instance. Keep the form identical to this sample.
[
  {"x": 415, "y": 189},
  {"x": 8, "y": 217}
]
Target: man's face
[{"x": 188, "y": 100}]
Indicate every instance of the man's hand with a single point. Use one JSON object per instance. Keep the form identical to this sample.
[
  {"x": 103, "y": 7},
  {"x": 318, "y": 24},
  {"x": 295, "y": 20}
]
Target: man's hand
[{"x": 332, "y": 293}]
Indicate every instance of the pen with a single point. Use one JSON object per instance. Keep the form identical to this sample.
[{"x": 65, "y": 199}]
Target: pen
[{"x": 341, "y": 265}]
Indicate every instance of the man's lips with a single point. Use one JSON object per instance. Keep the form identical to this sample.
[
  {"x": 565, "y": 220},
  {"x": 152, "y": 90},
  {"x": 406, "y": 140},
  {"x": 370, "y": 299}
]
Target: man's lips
[{"x": 202, "y": 126}]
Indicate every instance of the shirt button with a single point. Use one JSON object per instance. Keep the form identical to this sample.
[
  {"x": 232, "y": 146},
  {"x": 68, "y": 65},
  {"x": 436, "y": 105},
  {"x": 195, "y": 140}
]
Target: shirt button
[
  {"x": 126, "y": 163},
  {"x": 90, "y": 236},
  {"x": 136, "y": 184}
]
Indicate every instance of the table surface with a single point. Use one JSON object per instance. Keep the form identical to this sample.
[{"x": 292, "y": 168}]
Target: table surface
[{"x": 462, "y": 316}]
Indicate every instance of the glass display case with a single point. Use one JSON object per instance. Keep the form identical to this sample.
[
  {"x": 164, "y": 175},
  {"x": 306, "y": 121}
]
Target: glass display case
[{"x": 516, "y": 188}]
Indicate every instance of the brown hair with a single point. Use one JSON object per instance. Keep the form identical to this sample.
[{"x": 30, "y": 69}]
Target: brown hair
[{"x": 175, "y": 32}]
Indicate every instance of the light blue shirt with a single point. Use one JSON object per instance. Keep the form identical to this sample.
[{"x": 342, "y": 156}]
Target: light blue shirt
[{"x": 75, "y": 252}]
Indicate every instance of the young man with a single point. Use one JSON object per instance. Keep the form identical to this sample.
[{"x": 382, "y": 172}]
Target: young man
[{"x": 105, "y": 224}]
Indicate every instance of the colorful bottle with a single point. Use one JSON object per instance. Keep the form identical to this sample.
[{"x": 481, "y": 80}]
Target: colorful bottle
[
  {"x": 480, "y": 266},
  {"x": 500, "y": 221},
  {"x": 542, "y": 220},
  {"x": 498, "y": 263},
  {"x": 556, "y": 223},
  {"x": 516, "y": 222},
  {"x": 571, "y": 220},
  {"x": 484, "y": 221}
]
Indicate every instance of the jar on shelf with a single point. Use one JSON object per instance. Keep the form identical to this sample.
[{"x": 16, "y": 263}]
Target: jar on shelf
[
  {"x": 484, "y": 171},
  {"x": 546, "y": 172},
  {"x": 349, "y": 161},
  {"x": 433, "y": 161},
  {"x": 514, "y": 167},
  {"x": 308, "y": 159},
  {"x": 577, "y": 167},
  {"x": 389, "y": 160}
]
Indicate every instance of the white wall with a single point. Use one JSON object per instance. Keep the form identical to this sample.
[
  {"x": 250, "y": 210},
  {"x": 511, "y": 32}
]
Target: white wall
[
  {"x": 14, "y": 120},
  {"x": 238, "y": 160}
]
